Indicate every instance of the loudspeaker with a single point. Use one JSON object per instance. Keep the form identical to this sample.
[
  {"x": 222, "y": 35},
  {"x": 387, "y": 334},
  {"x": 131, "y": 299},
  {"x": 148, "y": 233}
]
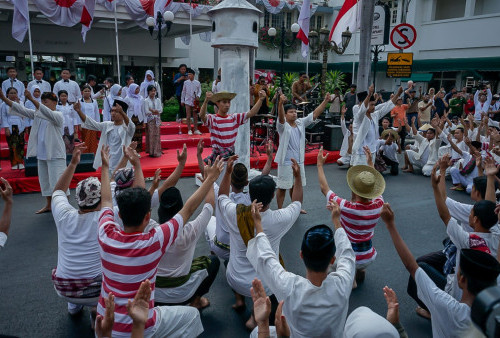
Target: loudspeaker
[
  {"x": 316, "y": 127},
  {"x": 85, "y": 165},
  {"x": 332, "y": 137}
]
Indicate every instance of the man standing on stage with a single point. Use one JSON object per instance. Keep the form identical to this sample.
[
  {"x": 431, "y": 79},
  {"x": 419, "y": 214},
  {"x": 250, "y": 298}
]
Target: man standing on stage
[
  {"x": 40, "y": 82},
  {"x": 73, "y": 89},
  {"x": 300, "y": 87},
  {"x": 179, "y": 79}
]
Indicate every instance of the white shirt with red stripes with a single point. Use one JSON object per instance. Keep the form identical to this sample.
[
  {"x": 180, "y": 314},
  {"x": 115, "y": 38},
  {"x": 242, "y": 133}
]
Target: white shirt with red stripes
[
  {"x": 359, "y": 221},
  {"x": 223, "y": 130},
  {"x": 127, "y": 260}
]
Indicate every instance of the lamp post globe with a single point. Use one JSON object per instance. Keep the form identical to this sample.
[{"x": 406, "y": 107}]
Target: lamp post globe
[
  {"x": 168, "y": 16},
  {"x": 272, "y": 32},
  {"x": 150, "y": 21},
  {"x": 295, "y": 28}
]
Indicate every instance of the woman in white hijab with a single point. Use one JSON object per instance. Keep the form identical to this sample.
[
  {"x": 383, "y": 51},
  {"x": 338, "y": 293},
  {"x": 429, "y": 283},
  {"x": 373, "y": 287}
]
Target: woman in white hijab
[
  {"x": 114, "y": 93},
  {"x": 36, "y": 92},
  {"x": 136, "y": 114},
  {"x": 149, "y": 79}
]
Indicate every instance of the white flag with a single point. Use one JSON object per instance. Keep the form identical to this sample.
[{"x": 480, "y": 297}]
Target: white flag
[
  {"x": 20, "y": 20},
  {"x": 304, "y": 19},
  {"x": 346, "y": 19},
  {"x": 87, "y": 17}
]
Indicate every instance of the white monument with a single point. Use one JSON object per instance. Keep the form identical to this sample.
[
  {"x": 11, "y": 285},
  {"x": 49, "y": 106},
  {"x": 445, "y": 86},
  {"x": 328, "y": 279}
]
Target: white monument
[{"x": 235, "y": 32}]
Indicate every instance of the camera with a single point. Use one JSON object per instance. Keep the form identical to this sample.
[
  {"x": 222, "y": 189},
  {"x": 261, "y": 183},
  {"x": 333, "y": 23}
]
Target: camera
[
  {"x": 485, "y": 311},
  {"x": 100, "y": 86}
]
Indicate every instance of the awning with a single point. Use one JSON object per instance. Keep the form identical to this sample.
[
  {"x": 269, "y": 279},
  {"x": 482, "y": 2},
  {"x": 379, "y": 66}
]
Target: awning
[{"x": 418, "y": 77}]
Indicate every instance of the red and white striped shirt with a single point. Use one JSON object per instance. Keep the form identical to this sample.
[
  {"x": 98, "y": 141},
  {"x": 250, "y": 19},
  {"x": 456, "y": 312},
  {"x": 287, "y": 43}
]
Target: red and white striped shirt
[
  {"x": 127, "y": 260},
  {"x": 223, "y": 130},
  {"x": 359, "y": 221}
]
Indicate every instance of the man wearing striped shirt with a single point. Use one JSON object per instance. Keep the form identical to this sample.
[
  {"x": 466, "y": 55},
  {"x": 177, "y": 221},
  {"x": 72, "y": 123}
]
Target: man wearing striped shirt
[
  {"x": 360, "y": 215},
  {"x": 131, "y": 256},
  {"x": 223, "y": 127}
]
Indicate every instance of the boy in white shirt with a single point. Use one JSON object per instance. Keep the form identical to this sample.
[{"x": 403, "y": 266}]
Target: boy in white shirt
[
  {"x": 389, "y": 148},
  {"x": 315, "y": 306},
  {"x": 477, "y": 270},
  {"x": 73, "y": 89},
  {"x": 40, "y": 82},
  {"x": 12, "y": 81},
  {"x": 346, "y": 148},
  {"x": 191, "y": 92}
]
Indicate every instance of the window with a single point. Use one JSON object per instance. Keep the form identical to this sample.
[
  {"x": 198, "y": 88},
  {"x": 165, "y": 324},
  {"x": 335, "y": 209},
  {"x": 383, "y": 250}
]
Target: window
[
  {"x": 449, "y": 9},
  {"x": 486, "y": 7},
  {"x": 316, "y": 25},
  {"x": 275, "y": 21}
]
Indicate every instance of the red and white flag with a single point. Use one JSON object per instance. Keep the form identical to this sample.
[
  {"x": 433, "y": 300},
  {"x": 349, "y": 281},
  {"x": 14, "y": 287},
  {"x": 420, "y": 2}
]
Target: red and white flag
[
  {"x": 304, "y": 19},
  {"x": 347, "y": 18},
  {"x": 87, "y": 17},
  {"x": 20, "y": 20}
]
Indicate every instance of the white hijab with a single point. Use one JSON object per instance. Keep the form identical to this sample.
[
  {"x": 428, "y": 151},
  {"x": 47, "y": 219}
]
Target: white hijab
[{"x": 135, "y": 99}]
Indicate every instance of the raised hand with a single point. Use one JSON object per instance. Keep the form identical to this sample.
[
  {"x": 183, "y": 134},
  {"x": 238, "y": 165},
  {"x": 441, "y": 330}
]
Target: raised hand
[
  {"x": 6, "y": 191},
  {"x": 199, "y": 147},
  {"x": 283, "y": 98},
  {"x": 282, "y": 328},
  {"x": 77, "y": 106},
  {"x": 105, "y": 156},
  {"x": 230, "y": 164},
  {"x": 138, "y": 308},
  {"x": 343, "y": 110},
  {"x": 490, "y": 168},
  {"x": 157, "y": 177},
  {"x": 262, "y": 95},
  {"x": 132, "y": 156},
  {"x": 133, "y": 145},
  {"x": 335, "y": 210},
  {"x": 104, "y": 325},
  {"x": 77, "y": 152},
  {"x": 261, "y": 303},
  {"x": 269, "y": 148},
  {"x": 213, "y": 171},
  {"x": 387, "y": 214},
  {"x": 27, "y": 94},
  {"x": 368, "y": 154},
  {"x": 444, "y": 162},
  {"x": 182, "y": 157},
  {"x": 392, "y": 305},
  {"x": 435, "y": 179},
  {"x": 256, "y": 207},
  {"x": 208, "y": 96},
  {"x": 327, "y": 97},
  {"x": 321, "y": 158},
  {"x": 371, "y": 89},
  {"x": 2, "y": 95}
]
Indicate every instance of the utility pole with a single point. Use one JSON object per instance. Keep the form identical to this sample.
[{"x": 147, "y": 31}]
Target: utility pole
[{"x": 365, "y": 29}]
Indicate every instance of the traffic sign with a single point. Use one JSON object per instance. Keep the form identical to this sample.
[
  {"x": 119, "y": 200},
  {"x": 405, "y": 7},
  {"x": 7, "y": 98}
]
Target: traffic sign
[
  {"x": 403, "y": 36},
  {"x": 399, "y": 64}
]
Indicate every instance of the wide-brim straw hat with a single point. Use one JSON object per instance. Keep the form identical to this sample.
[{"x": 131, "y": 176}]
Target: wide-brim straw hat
[
  {"x": 365, "y": 181},
  {"x": 222, "y": 96},
  {"x": 386, "y": 132},
  {"x": 425, "y": 127}
]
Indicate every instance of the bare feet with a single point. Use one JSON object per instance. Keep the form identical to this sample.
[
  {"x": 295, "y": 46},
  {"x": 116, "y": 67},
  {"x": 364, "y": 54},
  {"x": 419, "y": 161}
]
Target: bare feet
[
  {"x": 200, "y": 303},
  {"x": 457, "y": 187},
  {"x": 251, "y": 323},
  {"x": 423, "y": 313},
  {"x": 239, "y": 305},
  {"x": 360, "y": 276},
  {"x": 407, "y": 170},
  {"x": 303, "y": 212},
  {"x": 43, "y": 210}
]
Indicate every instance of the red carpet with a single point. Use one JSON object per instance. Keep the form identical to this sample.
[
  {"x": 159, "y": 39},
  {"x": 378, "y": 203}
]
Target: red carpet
[{"x": 171, "y": 142}]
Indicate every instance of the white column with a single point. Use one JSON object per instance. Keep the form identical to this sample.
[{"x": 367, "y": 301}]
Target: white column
[{"x": 235, "y": 64}]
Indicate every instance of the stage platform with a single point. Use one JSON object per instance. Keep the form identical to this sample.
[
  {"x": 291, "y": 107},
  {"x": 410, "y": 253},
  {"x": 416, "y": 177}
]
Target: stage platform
[{"x": 171, "y": 142}]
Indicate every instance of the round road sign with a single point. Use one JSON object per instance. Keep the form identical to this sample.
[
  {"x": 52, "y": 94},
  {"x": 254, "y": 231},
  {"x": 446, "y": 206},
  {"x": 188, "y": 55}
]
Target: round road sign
[{"x": 403, "y": 36}]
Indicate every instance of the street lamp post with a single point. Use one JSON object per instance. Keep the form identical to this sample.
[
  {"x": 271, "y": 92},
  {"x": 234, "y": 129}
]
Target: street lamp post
[
  {"x": 272, "y": 33},
  {"x": 161, "y": 20},
  {"x": 376, "y": 50},
  {"x": 319, "y": 43}
]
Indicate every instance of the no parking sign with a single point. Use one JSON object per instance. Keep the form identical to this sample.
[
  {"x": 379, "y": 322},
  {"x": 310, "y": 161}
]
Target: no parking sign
[{"x": 403, "y": 36}]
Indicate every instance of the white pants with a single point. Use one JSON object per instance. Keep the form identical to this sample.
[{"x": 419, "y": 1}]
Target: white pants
[
  {"x": 420, "y": 163},
  {"x": 465, "y": 181},
  {"x": 177, "y": 321},
  {"x": 360, "y": 159},
  {"x": 285, "y": 176},
  {"x": 210, "y": 235},
  {"x": 346, "y": 159},
  {"x": 49, "y": 172}
]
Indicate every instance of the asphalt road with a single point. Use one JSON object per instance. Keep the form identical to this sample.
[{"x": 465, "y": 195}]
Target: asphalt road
[{"x": 29, "y": 306}]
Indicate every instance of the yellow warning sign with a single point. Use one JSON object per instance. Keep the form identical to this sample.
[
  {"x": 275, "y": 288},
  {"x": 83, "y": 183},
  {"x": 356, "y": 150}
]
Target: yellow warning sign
[{"x": 399, "y": 59}]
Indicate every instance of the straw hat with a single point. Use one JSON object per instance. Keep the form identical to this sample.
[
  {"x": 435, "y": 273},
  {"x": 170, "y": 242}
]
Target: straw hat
[
  {"x": 222, "y": 96},
  {"x": 386, "y": 132},
  {"x": 365, "y": 181},
  {"x": 426, "y": 127}
]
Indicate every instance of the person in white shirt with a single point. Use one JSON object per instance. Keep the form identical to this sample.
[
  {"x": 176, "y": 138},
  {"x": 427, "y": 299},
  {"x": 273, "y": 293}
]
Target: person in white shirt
[
  {"x": 467, "y": 168},
  {"x": 454, "y": 140},
  {"x": 482, "y": 101},
  {"x": 180, "y": 279},
  {"x": 292, "y": 132},
  {"x": 315, "y": 306},
  {"x": 152, "y": 109},
  {"x": 477, "y": 270},
  {"x": 136, "y": 114},
  {"x": 69, "y": 129},
  {"x": 115, "y": 134},
  {"x": 346, "y": 148},
  {"x": 114, "y": 94},
  {"x": 217, "y": 87},
  {"x": 14, "y": 131},
  {"x": 6, "y": 192},
  {"x": 78, "y": 248},
  {"x": 191, "y": 93},
  {"x": 129, "y": 79},
  {"x": 336, "y": 101},
  {"x": 428, "y": 148},
  {"x": 149, "y": 79},
  {"x": 69, "y": 86},
  {"x": 12, "y": 81},
  {"x": 36, "y": 92},
  {"x": 388, "y": 148},
  {"x": 91, "y": 82},
  {"x": 89, "y": 107},
  {"x": 276, "y": 223},
  {"x": 45, "y": 141},
  {"x": 40, "y": 82}
]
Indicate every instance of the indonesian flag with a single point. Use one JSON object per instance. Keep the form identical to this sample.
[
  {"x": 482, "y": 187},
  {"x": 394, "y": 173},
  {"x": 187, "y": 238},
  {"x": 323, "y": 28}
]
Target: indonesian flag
[
  {"x": 87, "y": 17},
  {"x": 347, "y": 18},
  {"x": 303, "y": 34},
  {"x": 161, "y": 6},
  {"x": 20, "y": 20}
]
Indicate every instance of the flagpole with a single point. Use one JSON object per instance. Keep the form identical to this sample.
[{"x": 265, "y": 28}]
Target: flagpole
[
  {"x": 190, "y": 35},
  {"x": 117, "y": 47},
  {"x": 307, "y": 64},
  {"x": 31, "y": 51},
  {"x": 355, "y": 44}
]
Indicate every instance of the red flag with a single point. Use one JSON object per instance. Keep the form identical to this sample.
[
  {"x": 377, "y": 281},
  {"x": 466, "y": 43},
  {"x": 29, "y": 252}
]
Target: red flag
[
  {"x": 87, "y": 17},
  {"x": 347, "y": 18},
  {"x": 304, "y": 19}
]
